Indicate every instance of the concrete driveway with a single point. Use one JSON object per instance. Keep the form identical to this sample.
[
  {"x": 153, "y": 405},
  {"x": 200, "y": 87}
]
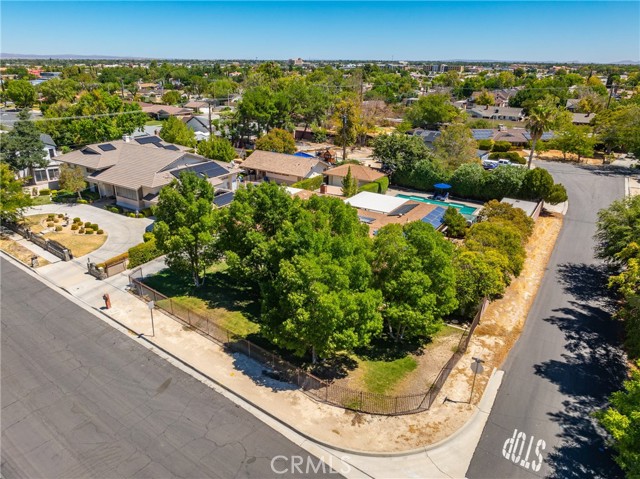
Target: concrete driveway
[{"x": 123, "y": 232}]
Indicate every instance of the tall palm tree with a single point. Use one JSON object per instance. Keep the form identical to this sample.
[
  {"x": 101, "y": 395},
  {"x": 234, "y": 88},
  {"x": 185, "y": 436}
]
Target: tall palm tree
[{"x": 540, "y": 119}]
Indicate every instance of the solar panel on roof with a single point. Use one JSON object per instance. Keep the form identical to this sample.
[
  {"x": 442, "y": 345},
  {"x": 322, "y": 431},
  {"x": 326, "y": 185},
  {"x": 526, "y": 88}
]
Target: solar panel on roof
[
  {"x": 144, "y": 140},
  {"x": 107, "y": 147},
  {"x": 402, "y": 209},
  {"x": 223, "y": 199},
  {"x": 366, "y": 219},
  {"x": 209, "y": 169},
  {"x": 435, "y": 218},
  {"x": 171, "y": 147},
  {"x": 482, "y": 134}
]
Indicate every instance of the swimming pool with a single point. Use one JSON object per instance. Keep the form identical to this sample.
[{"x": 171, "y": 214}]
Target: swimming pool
[{"x": 464, "y": 209}]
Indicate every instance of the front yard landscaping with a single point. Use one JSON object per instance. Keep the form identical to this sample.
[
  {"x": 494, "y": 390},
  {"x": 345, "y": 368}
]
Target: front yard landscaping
[
  {"x": 19, "y": 252},
  {"x": 80, "y": 238}
]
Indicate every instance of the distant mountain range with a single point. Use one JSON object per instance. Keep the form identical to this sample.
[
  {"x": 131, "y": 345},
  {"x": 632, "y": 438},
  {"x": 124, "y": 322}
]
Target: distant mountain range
[{"x": 69, "y": 56}]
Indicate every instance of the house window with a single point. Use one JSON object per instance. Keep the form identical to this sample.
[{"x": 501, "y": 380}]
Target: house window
[
  {"x": 54, "y": 173},
  {"x": 52, "y": 153},
  {"x": 40, "y": 175},
  {"x": 126, "y": 193}
]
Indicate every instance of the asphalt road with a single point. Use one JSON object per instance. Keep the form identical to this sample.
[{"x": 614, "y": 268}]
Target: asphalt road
[
  {"x": 567, "y": 360},
  {"x": 80, "y": 399}
]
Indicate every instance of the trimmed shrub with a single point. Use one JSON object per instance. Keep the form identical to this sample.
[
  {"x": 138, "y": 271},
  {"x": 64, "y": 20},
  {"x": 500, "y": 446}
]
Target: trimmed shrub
[
  {"x": 87, "y": 224},
  {"x": 147, "y": 212},
  {"x": 384, "y": 184},
  {"x": 54, "y": 192},
  {"x": 60, "y": 215},
  {"x": 74, "y": 226},
  {"x": 501, "y": 146},
  {"x": 371, "y": 187},
  {"x": 50, "y": 224},
  {"x": 44, "y": 192},
  {"x": 143, "y": 253},
  {"x": 100, "y": 232},
  {"x": 113, "y": 209},
  {"x": 131, "y": 215},
  {"x": 58, "y": 228},
  {"x": 88, "y": 231},
  {"x": 148, "y": 236},
  {"x": 82, "y": 202},
  {"x": 94, "y": 226},
  {"x": 77, "y": 220},
  {"x": 50, "y": 217},
  {"x": 56, "y": 220},
  {"x": 485, "y": 145},
  {"x": 310, "y": 184},
  {"x": 115, "y": 259},
  {"x": 81, "y": 231}
]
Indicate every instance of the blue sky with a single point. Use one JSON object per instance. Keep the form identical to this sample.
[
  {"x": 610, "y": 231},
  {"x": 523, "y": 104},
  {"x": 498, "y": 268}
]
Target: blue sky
[{"x": 474, "y": 30}]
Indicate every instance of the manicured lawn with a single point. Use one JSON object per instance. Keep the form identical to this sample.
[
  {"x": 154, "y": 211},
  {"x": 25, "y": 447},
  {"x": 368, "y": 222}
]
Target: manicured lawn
[
  {"x": 41, "y": 200},
  {"x": 230, "y": 305},
  {"x": 154, "y": 123},
  {"x": 382, "y": 376}
]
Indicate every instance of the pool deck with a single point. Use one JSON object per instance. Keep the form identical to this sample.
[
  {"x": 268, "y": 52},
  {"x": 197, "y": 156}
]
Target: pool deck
[{"x": 425, "y": 195}]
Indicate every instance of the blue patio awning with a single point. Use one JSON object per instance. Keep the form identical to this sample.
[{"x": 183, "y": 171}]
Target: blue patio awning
[{"x": 442, "y": 186}]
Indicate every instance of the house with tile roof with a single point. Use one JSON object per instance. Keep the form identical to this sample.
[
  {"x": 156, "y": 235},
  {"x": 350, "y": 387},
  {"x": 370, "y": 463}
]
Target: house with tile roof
[
  {"x": 497, "y": 113},
  {"x": 134, "y": 170},
  {"x": 363, "y": 174},
  {"x": 281, "y": 168}
]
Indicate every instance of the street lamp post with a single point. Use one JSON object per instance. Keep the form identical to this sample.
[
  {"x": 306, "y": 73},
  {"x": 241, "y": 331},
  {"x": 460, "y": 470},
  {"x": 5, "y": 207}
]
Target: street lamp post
[{"x": 476, "y": 367}]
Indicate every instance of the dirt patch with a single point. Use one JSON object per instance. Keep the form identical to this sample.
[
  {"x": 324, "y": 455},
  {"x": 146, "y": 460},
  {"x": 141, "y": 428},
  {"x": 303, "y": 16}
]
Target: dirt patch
[{"x": 556, "y": 155}]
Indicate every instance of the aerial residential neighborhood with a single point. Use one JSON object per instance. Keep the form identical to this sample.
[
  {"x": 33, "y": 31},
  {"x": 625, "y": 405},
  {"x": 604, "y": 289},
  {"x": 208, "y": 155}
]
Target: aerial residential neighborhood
[{"x": 320, "y": 239}]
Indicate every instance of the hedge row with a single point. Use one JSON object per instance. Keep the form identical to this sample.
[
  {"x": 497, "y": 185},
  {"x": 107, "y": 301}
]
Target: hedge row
[
  {"x": 310, "y": 184},
  {"x": 371, "y": 187},
  {"x": 508, "y": 155},
  {"x": 143, "y": 253}
]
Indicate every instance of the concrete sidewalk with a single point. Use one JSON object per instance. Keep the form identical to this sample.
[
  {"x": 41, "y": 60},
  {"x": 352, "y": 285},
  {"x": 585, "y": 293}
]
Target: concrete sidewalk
[{"x": 325, "y": 431}]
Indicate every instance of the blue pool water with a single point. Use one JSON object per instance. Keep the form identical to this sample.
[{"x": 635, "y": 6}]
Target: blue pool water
[{"x": 463, "y": 209}]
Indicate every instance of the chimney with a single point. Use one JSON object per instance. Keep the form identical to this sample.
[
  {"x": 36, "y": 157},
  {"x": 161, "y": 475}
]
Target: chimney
[
  {"x": 323, "y": 188},
  {"x": 501, "y": 127},
  {"x": 126, "y": 138}
]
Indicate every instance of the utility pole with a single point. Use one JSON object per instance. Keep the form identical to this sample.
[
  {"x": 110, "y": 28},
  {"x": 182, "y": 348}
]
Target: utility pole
[
  {"x": 344, "y": 137},
  {"x": 122, "y": 87},
  {"x": 477, "y": 368}
]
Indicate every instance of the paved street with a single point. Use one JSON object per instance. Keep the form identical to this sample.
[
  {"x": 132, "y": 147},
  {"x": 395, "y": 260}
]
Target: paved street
[
  {"x": 80, "y": 399},
  {"x": 567, "y": 360}
]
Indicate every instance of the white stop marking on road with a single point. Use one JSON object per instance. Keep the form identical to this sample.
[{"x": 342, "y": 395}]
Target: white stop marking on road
[{"x": 514, "y": 450}]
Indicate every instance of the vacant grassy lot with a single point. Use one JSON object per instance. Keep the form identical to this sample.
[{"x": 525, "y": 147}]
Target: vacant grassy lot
[{"x": 220, "y": 299}]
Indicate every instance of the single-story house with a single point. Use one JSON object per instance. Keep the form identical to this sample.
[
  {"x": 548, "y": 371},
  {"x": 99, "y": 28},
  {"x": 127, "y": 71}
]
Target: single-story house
[
  {"x": 162, "y": 112},
  {"x": 497, "y": 113},
  {"x": 582, "y": 118},
  {"x": 572, "y": 104},
  {"x": 516, "y": 136},
  {"x": 133, "y": 170},
  {"x": 199, "y": 125},
  {"x": 197, "y": 106},
  {"x": 281, "y": 168},
  {"x": 363, "y": 174},
  {"x": 428, "y": 136}
]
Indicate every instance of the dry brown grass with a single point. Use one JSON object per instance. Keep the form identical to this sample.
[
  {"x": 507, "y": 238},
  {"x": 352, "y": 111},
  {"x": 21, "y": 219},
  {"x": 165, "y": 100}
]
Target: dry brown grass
[
  {"x": 19, "y": 252},
  {"x": 79, "y": 244}
]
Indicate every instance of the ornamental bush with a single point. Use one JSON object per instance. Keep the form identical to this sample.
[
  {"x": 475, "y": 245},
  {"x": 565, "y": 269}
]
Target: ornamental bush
[{"x": 143, "y": 253}]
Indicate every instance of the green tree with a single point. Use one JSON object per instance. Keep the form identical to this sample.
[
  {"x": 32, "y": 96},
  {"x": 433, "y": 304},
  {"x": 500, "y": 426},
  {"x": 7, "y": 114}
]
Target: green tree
[
  {"x": 485, "y": 98},
  {"x": 349, "y": 185},
  {"x": 13, "y": 200},
  {"x": 176, "y": 131},
  {"x": 574, "y": 139},
  {"x": 617, "y": 226},
  {"x": 456, "y": 223},
  {"x": 96, "y": 117},
  {"x": 456, "y": 146},
  {"x": 21, "y": 148},
  {"x": 56, "y": 89},
  {"x": 627, "y": 285},
  {"x": 413, "y": 268},
  {"x": 540, "y": 119},
  {"x": 22, "y": 93},
  {"x": 171, "y": 97},
  {"x": 185, "y": 225},
  {"x": 468, "y": 180},
  {"x": 278, "y": 140},
  {"x": 431, "y": 110},
  {"x": 345, "y": 118},
  {"x": 72, "y": 179},
  {"x": 479, "y": 274},
  {"x": 503, "y": 181},
  {"x": 503, "y": 213},
  {"x": 504, "y": 238},
  {"x": 398, "y": 151},
  {"x": 217, "y": 148},
  {"x": 620, "y": 420}
]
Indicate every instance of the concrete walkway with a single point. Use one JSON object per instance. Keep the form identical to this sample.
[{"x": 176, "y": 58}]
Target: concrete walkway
[{"x": 289, "y": 411}]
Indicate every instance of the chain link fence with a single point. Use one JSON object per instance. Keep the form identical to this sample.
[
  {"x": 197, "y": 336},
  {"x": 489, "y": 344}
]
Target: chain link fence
[{"x": 316, "y": 388}]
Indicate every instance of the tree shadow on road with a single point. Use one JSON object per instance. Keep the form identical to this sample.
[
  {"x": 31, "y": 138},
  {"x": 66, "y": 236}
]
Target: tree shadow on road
[
  {"x": 586, "y": 282},
  {"x": 593, "y": 368}
]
